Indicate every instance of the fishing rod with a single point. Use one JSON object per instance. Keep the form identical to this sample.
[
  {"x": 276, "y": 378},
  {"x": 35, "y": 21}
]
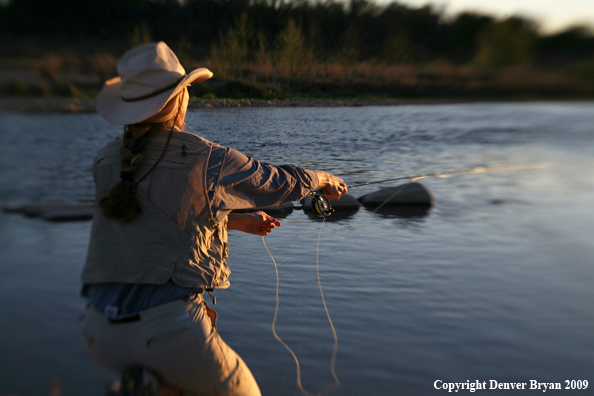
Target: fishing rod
[{"x": 321, "y": 206}]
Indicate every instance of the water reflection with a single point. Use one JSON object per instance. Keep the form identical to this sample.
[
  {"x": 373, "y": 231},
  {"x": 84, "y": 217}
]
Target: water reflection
[
  {"x": 338, "y": 215},
  {"x": 401, "y": 212}
]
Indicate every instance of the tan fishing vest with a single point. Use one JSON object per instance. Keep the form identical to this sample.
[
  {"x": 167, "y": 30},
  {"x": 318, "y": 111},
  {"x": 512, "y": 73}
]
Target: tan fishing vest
[{"x": 176, "y": 236}]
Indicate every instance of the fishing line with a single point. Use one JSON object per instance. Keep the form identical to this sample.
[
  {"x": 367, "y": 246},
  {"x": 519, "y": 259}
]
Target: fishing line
[
  {"x": 326, "y": 208},
  {"x": 335, "y": 348},
  {"x": 336, "y": 384},
  {"x": 305, "y": 392},
  {"x": 478, "y": 169},
  {"x": 322, "y": 209}
]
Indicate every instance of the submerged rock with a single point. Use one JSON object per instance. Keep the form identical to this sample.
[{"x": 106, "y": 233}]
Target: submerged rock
[
  {"x": 68, "y": 213},
  {"x": 13, "y": 208},
  {"x": 406, "y": 194},
  {"x": 54, "y": 211}
]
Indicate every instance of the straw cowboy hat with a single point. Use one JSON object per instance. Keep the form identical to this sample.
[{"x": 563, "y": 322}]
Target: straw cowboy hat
[{"x": 149, "y": 75}]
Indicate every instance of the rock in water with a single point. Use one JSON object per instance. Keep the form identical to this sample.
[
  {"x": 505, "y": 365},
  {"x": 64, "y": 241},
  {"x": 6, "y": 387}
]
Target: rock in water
[
  {"x": 346, "y": 202},
  {"x": 54, "y": 211},
  {"x": 406, "y": 194},
  {"x": 68, "y": 213}
]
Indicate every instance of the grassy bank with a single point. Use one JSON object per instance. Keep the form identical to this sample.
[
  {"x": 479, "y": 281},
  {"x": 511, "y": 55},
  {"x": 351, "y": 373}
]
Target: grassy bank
[
  {"x": 70, "y": 80},
  {"x": 323, "y": 51},
  {"x": 54, "y": 76},
  {"x": 75, "y": 105}
]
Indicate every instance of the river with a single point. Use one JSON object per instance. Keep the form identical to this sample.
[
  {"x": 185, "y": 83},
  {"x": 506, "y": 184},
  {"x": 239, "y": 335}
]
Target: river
[{"x": 494, "y": 282}]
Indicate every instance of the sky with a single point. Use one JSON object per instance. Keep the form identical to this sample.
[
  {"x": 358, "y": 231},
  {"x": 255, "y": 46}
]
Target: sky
[{"x": 553, "y": 15}]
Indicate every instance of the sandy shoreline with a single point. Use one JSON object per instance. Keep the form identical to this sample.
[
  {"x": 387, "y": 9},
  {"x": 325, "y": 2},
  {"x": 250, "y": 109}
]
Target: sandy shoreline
[
  {"x": 41, "y": 105},
  {"x": 70, "y": 105}
]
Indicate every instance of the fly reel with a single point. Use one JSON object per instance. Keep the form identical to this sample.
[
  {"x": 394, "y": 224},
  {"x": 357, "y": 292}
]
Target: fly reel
[{"x": 320, "y": 205}]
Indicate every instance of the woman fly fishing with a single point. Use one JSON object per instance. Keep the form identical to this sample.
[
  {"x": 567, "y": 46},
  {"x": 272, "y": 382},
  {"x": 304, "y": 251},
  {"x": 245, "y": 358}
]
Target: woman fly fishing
[{"x": 159, "y": 237}]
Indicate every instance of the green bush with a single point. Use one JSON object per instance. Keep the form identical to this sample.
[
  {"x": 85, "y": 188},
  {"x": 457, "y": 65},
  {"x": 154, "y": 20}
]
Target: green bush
[
  {"x": 584, "y": 69},
  {"x": 17, "y": 88},
  {"x": 229, "y": 56},
  {"x": 293, "y": 53},
  {"x": 506, "y": 43}
]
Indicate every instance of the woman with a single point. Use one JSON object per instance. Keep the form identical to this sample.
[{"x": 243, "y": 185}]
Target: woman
[{"x": 159, "y": 235}]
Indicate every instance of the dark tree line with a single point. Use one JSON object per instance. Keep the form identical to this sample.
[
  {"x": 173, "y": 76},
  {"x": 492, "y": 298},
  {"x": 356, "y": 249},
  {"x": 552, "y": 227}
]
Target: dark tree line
[{"x": 359, "y": 30}]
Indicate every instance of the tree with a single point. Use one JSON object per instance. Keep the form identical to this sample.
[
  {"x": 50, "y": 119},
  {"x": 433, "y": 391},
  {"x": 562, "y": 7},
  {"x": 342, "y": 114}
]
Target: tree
[
  {"x": 293, "y": 54},
  {"x": 506, "y": 43},
  {"x": 229, "y": 57}
]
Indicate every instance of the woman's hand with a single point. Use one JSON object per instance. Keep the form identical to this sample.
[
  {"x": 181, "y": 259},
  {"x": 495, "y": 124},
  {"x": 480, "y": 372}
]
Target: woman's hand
[
  {"x": 332, "y": 186},
  {"x": 258, "y": 223}
]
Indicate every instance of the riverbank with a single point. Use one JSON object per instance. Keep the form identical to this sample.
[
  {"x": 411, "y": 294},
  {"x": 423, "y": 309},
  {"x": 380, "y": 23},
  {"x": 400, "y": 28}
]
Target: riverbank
[
  {"x": 50, "y": 105},
  {"x": 70, "y": 105}
]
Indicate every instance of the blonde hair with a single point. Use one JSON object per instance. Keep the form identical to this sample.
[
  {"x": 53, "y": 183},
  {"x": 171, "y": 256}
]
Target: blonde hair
[{"x": 120, "y": 202}]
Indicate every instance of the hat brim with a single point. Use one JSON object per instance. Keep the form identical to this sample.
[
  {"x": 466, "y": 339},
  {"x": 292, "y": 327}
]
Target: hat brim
[{"x": 115, "y": 110}]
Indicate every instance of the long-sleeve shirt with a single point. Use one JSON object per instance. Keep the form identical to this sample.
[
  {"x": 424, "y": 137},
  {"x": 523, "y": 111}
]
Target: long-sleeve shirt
[{"x": 234, "y": 181}]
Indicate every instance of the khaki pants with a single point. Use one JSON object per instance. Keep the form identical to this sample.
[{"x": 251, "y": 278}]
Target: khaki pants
[{"x": 178, "y": 341}]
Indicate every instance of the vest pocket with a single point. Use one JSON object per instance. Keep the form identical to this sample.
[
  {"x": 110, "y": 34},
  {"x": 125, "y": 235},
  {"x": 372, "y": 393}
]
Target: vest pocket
[{"x": 225, "y": 252}]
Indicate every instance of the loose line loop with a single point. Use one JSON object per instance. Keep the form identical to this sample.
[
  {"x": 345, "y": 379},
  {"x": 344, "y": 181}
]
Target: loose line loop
[
  {"x": 331, "y": 387},
  {"x": 336, "y": 385},
  {"x": 335, "y": 349}
]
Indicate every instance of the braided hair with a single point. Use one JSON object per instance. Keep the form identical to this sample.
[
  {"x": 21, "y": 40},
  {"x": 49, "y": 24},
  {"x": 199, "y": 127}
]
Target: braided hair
[{"x": 120, "y": 203}]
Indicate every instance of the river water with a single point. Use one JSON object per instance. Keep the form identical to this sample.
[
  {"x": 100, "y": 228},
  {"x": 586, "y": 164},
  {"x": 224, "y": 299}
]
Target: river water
[{"x": 495, "y": 282}]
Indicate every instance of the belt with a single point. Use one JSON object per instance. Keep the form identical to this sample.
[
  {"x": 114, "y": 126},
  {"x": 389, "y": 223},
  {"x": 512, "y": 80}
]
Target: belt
[{"x": 188, "y": 298}]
